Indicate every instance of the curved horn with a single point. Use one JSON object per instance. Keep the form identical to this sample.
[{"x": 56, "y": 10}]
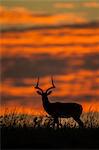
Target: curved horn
[
  {"x": 37, "y": 85},
  {"x": 53, "y": 86}
]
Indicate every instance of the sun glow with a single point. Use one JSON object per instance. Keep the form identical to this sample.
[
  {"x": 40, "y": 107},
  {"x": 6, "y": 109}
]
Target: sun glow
[{"x": 57, "y": 42}]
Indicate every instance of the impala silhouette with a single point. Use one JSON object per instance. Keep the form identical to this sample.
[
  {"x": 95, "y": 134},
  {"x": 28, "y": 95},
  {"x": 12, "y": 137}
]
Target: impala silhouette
[{"x": 59, "y": 110}]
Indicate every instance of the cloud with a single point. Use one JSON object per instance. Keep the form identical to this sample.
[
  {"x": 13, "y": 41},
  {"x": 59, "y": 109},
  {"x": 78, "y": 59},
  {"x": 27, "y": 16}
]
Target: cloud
[
  {"x": 91, "y": 4},
  {"x": 81, "y": 86},
  {"x": 91, "y": 61},
  {"x": 71, "y": 5},
  {"x": 35, "y": 101},
  {"x": 46, "y": 64},
  {"x": 22, "y": 16},
  {"x": 76, "y": 38},
  {"x": 41, "y": 65},
  {"x": 9, "y": 45},
  {"x": 25, "y": 28},
  {"x": 77, "y": 82},
  {"x": 64, "y": 5},
  {"x": 80, "y": 98}
]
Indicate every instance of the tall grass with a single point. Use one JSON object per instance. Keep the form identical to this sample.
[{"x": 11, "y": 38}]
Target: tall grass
[{"x": 12, "y": 119}]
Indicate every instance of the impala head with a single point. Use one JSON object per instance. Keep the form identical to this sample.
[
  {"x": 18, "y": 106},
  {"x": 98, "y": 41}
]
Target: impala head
[{"x": 47, "y": 92}]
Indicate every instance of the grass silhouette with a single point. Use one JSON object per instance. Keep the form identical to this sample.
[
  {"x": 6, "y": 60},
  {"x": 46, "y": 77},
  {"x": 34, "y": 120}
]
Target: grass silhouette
[{"x": 25, "y": 131}]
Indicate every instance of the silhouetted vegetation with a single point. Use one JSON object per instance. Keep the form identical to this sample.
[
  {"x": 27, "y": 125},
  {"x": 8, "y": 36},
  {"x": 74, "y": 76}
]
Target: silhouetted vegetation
[{"x": 25, "y": 131}]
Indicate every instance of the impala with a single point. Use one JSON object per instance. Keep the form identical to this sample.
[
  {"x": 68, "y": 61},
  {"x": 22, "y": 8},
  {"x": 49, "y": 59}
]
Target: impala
[{"x": 57, "y": 109}]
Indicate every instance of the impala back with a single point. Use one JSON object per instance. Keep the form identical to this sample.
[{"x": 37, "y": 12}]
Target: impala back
[{"x": 66, "y": 110}]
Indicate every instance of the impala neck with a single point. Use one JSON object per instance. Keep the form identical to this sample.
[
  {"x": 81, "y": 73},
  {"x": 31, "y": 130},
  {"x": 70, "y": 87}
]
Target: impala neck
[{"x": 45, "y": 102}]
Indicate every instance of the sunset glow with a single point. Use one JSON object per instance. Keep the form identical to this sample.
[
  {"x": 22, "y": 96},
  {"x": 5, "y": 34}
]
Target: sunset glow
[{"x": 60, "y": 42}]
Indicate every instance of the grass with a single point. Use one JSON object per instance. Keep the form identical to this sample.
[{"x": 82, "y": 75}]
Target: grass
[{"x": 25, "y": 131}]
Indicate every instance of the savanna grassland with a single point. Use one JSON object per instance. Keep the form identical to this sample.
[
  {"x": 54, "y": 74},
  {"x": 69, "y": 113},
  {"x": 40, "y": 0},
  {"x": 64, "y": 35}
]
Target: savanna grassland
[{"x": 27, "y": 131}]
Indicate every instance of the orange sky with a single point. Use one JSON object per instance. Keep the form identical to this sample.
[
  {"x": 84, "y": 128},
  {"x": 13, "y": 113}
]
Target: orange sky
[{"x": 65, "y": 45}]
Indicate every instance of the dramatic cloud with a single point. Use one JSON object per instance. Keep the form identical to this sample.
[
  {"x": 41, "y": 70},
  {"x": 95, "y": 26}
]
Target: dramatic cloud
[
  {"x": 41, "y": 64},
  {"x": 22, "y": 16},
  {"x": 26, "y": 41},
  {"x": 55, "y": 38},
  {"x": 35, "y": 102},
  {"x": 46, "y": 64},
  {"x": 25, "y": 28}
]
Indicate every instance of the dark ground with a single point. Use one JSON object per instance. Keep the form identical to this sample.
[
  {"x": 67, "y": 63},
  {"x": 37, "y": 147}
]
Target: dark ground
[{"x": 35, "y": 138}]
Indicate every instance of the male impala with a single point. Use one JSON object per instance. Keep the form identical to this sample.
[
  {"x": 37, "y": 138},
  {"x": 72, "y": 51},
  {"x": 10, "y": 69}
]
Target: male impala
[{"x": 57, "y": 109}]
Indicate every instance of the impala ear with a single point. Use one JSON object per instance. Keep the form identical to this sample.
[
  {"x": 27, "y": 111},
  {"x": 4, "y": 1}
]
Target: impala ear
[
  {"x": 48, "y": 93},
  {"x": 39, "y": 92}
]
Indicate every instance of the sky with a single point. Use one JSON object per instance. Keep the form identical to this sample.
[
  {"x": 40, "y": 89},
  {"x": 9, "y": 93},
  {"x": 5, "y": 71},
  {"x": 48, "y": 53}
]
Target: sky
[{"x": 45, "y": 38}]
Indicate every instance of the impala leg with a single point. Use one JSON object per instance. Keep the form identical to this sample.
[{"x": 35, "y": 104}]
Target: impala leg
[
  {"x": 60, "y": 122},
  {"x": 56, "y": 121},
  {"x": 53, "y": 124},
  {"x": 78, "y": 120},
  {"x": 81, "y": 123}
]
